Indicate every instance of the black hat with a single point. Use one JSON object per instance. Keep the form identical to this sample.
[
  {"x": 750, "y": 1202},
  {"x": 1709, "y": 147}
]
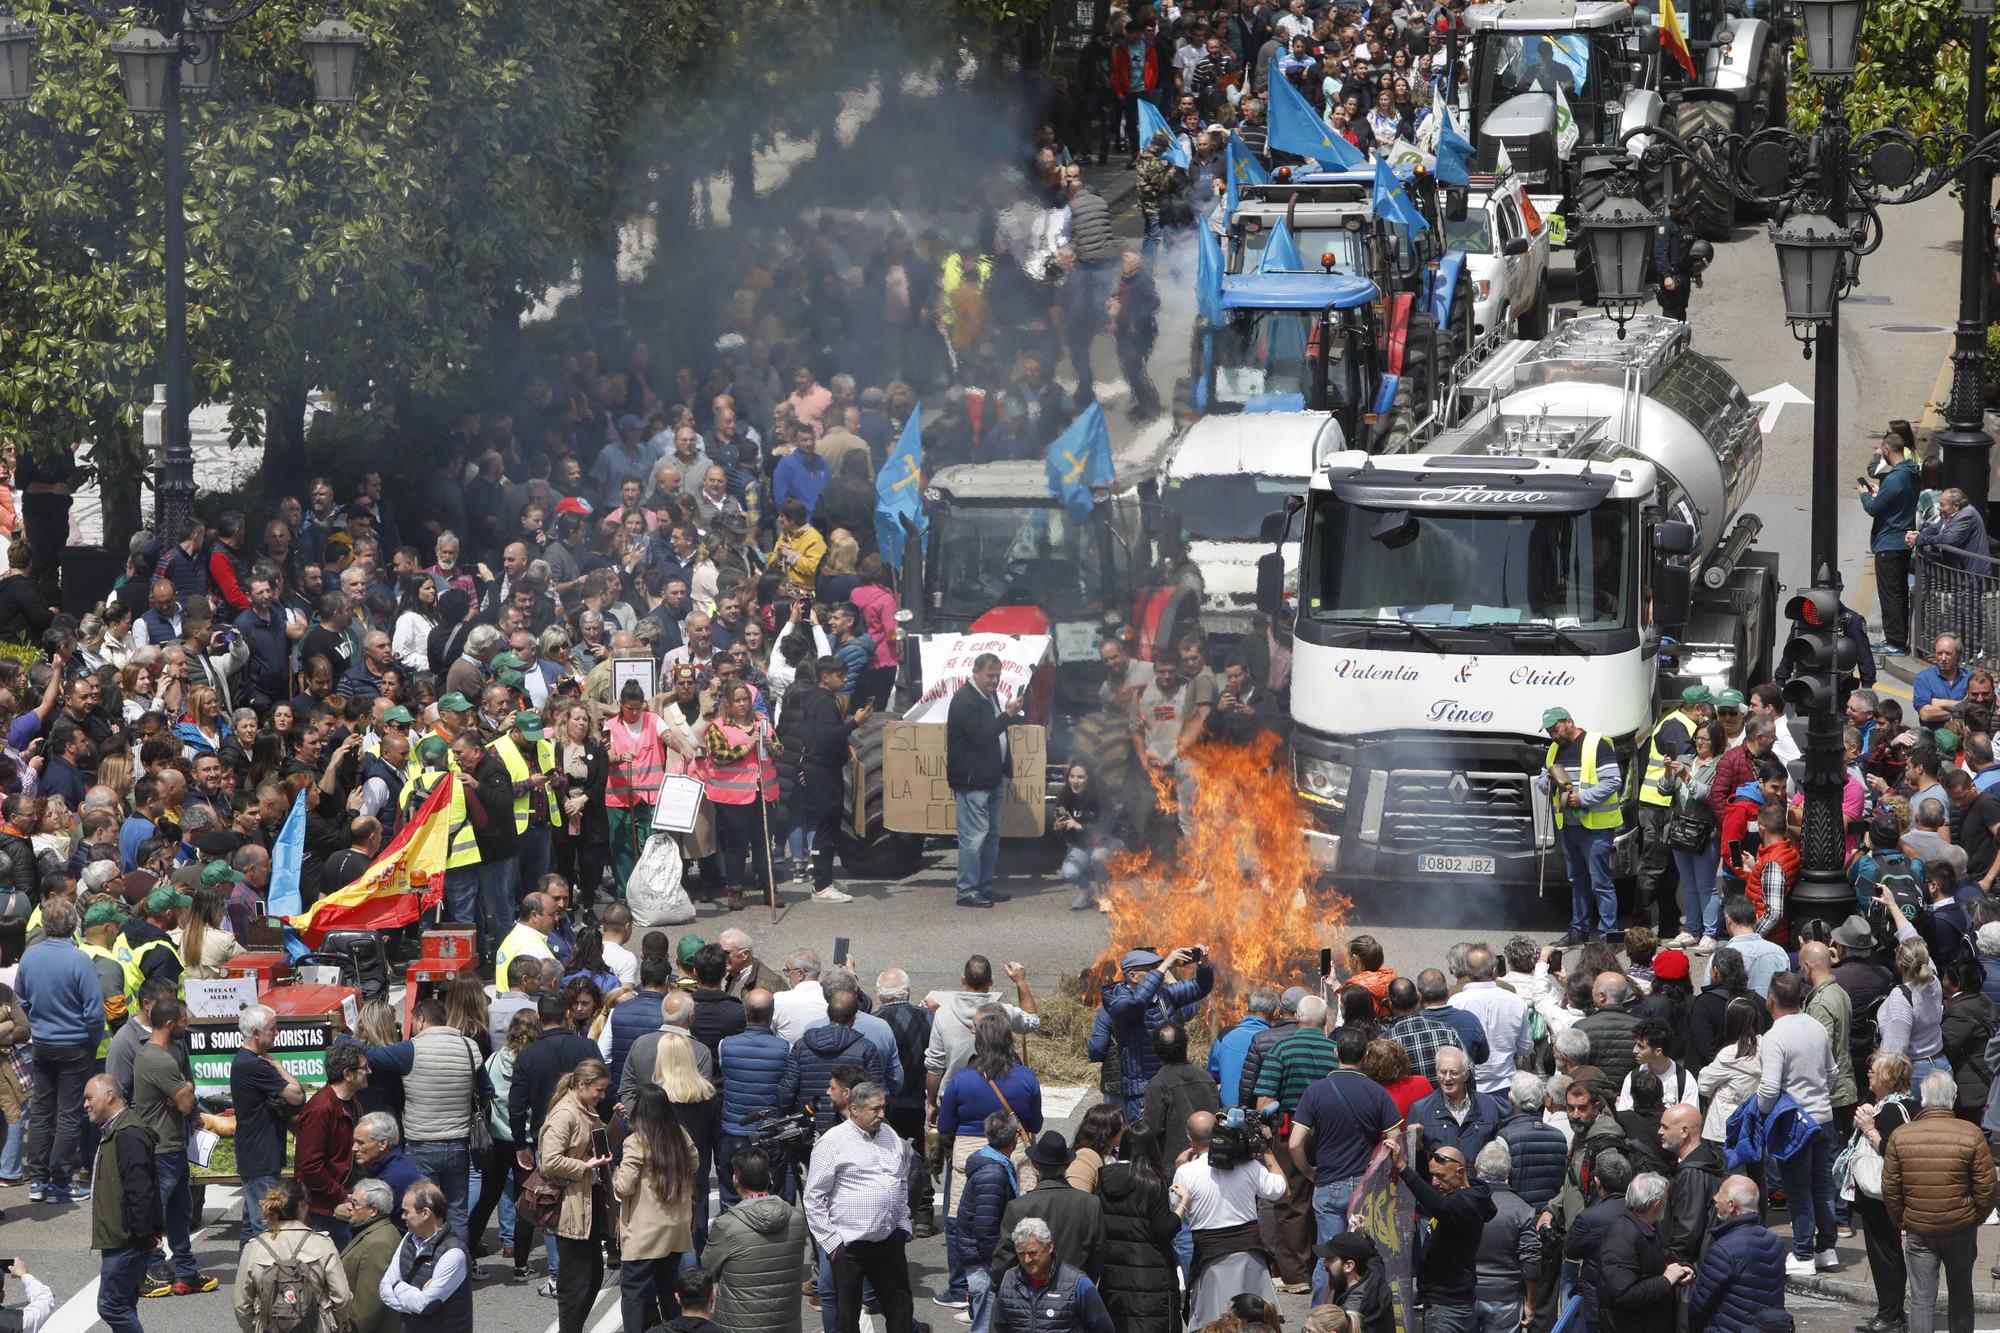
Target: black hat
[
  {"x": 1353, "y": 1245},
  {"x": 1884, "y": 831},
  {"x": 1050, "y": 1150}
]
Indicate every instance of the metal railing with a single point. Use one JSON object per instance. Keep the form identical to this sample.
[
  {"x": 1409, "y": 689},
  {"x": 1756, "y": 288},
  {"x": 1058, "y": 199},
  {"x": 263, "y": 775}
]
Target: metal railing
[{"x": 1958, "y": 592}]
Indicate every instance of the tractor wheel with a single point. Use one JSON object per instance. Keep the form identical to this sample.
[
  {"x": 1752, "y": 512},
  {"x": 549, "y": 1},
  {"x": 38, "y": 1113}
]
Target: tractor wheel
[
  {"x": 1419, "y": 342},
  {"x": 872, "y": 851},
  {"x": 1396, "y": 432},
  {"x": 1714, "y": 207},
  {"x": 1462, "y": 332},
  {"x": 1104, "y": 741}
]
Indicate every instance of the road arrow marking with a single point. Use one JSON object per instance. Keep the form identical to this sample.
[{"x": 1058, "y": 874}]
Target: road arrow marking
[{"x": 1774, "y": 400}]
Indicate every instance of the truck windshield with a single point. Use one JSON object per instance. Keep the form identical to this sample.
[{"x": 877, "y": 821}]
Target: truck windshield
[
  {"x": 1228, "y": 508},
  {"x": 1312, "y": 242},
  {"x": 1468, "y": 568},
  {"x": 1474, "y": 234},
  {"x": 1510, "y": 64},
  {"x": 985, "y": 555},
  {"x": 1264, "y": 362}
]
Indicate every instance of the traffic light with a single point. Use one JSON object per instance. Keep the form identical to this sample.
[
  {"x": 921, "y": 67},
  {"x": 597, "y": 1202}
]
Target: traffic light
[{"x": 1818, "y": 654}]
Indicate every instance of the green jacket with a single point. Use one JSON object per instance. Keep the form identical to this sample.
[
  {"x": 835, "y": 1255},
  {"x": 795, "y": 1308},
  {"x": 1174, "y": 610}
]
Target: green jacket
[
  {"x": 1604, "y": 1132},
  {"x": 367, "y": 1256},
  {"x": 756, "y": 1254},
  {"x": 124, "y": 1201},
  {"x": 1834, "y": 1009}
]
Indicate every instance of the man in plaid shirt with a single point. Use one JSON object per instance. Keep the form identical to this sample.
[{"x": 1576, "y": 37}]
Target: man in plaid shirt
[{"x": 1422, "y": 1037}]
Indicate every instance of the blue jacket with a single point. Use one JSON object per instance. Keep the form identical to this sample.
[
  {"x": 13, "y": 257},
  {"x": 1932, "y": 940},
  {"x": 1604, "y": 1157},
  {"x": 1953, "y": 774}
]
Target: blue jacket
[
  {"x": 1963, "y": 531},
  {"x": 1441, "y": 1130},
  {"x": 984, "y": 1191},
  {"x": 640, "y": 1014},
  {"x": 1778, "y": 1134},
  {"x": 753, "y": 1070},
  {"x": 1541, "y": 1155},
  {"x": 1226, "y": 1056},
  {"x": 1741, "y": 1275},
  {"x": 58, "y": 987},
  {"x": 398, "y": 1172},
  {"x": 797, "y": 478},
  {"x": 1893, "y": 507},
  {"x": 269, "y": 671},
  {"x": 811, "y": 1062},
  {"x": 1131, "y": 1014}
]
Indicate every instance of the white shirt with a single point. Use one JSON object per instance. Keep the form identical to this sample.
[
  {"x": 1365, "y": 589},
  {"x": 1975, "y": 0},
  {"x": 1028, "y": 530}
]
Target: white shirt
[
  {"x": 1504, "y": 1015},
  {"x": 793, "y": 1011},
  {"x": 1677, "y": 1085},
  {"x": 1218, "y": 1199},
  {"x": 624, "y": 964}
]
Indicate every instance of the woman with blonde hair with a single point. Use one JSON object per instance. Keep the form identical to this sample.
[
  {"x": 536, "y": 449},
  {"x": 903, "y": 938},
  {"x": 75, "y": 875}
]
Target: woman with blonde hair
[
  {"x": 836, "y": 578},
  {"x": 200, "y": 732},
  {"x": 379, "y": 1026},
  {"x": 114, "y": 770},
  {"x": 1911, "y": 1020},
  {"x": 572, "y": 1163},
  {"x": 465, "y": 1006},
  {"x": 57, "y": 834},
  {"x": 287, "y": 1238},
  {"x": 205, "y": 945},
  {"x": 698, "y": 1104},
  {"x": 655, "y": 1184}
]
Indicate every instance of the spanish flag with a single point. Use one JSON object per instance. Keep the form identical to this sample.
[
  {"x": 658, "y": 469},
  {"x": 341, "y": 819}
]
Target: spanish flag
[
  {"x": 1673, "y": 41},
  {"x": 403, "y": 882}
]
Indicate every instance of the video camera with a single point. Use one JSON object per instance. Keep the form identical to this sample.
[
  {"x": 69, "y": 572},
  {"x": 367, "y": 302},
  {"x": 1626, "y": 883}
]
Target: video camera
[
  {"x": 791, "y": 1134},
  {"x": 1244, "y": 1136}
]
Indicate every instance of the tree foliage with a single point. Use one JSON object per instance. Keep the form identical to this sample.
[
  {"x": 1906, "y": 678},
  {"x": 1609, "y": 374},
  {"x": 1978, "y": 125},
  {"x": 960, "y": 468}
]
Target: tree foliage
[{"x": 1913, "y": 72}]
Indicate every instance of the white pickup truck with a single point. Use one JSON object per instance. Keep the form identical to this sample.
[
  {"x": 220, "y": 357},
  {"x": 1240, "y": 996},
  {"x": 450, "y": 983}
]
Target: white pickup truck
[{"x": 1506, "y": 244}]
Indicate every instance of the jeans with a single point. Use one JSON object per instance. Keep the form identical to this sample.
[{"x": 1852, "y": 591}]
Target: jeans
[
  {"x": 1492, "y": 1316},
  {"x": 461, "y": 905},
  {"x": 1455, "y": 1318},
  {"x": 56, "y": 1120},
  {"x": 1329, "y": 1220},
  {"x": 496, "y": 901},
  {"x": 957, "y": 1278},
  {"x": 644, "y": 1280},
  {"x": 170, "y": 1172},
  {"x": 577, "y": 1284},
  {"x": 1085, "y": 864},
  {"x": 118, "y": 1278},
  {"x": 979, "y": 1292},
  {"x": 254, "y": 1190},
  {"x": 978, "y": 839},
  {"x": 1807, "y": 1176},
  {"x": 1922, "y": 1067},
  {"x": 531, "y": 862},
  {"x": 1892, "y": 591},
  {"x": 1954, "y": 1253},
  {"x": 10, "y": 1151},
  {"x": 1700, "y": 907},
  {"x": 1587, "y": 854},
  {"x": 448, "y": 1163}
]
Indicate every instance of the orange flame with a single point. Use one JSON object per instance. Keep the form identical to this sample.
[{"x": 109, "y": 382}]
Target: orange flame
[{"x": 1240, "y": 883}]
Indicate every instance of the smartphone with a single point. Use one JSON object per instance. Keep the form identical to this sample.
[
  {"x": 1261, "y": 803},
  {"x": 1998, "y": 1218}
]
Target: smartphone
[
  {"x": 1862, "y": 480},
  {"x": 1325, "y": 963},
  {"x": 840, "y": 950},
  {"x": 600, "y": 1143}
]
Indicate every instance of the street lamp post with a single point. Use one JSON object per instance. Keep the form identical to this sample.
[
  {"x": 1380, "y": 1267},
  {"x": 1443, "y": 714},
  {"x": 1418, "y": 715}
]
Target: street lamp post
[
  {"x": 170, "y": 48},
  {"x": 1825, "y": 191},
  {"x": 1965, "y": 444}
]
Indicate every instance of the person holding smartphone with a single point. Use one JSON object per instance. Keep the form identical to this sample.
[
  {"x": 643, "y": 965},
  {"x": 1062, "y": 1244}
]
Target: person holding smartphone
[
  {"x": 1890, "y": 501},
  {"x": 575, "y": 1150}
]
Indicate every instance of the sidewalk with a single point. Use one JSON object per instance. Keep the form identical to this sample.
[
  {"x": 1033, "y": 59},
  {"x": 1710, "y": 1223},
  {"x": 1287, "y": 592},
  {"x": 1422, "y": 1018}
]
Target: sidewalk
[{"x": 1851, "y": 1282}]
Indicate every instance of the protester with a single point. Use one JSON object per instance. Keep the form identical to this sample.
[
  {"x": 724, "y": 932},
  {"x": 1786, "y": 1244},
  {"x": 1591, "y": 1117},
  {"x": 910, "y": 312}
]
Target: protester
[
  {"x": 289, "y": 1266},
  {"x": 1937, "y": 1186}
]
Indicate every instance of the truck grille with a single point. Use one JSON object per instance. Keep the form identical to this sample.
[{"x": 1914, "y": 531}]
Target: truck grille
[{"x": 1479, "y": 812}]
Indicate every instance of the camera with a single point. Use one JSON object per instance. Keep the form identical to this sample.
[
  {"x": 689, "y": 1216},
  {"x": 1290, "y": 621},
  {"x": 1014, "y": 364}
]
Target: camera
[
  {"x": 791, "y": 1134},
  {"x": 1244, "y": 1136},
  {"x": 1196, "y": 954}
]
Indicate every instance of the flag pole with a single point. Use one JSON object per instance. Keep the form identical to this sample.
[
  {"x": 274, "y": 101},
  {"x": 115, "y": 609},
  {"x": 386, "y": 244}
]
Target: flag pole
[{"x": 764, "y": 822}]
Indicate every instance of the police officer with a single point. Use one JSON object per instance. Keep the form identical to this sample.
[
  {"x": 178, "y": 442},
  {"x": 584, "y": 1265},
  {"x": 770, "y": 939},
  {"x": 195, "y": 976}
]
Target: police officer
[{"x": 1673, "y": 257}]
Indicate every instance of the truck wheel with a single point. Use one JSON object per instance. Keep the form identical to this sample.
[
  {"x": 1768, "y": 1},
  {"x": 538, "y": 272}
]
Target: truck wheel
[
  {"x": 1714, "y": 207},
  {"x": 1462, "y": 333},
  {"x": 1104, "y": 741},
  {"x": 1533, "y": 323},
  {"x": 872, "y": 851}
]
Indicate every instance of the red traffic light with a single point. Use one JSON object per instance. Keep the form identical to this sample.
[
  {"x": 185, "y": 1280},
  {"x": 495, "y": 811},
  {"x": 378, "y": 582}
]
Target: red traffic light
[{"x": 1816, "y": 607}]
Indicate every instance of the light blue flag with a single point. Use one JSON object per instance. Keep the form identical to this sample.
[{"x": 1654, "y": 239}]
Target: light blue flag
[
  {"x": 1390, "y": 202},
  {"x": 1243, "y": 169},
  {"x": 1079, "y": 459},
  {"x": 1208, "y": 275},
  {"x": 1297, "y": 129},
  {"x": 1151, "y": 122},
  {"x": 899, "y": 492},
  {"x": 288, "y": 858},
  {"x": 1454, "y": 157},
  {"x": 1281, "y": 253}
]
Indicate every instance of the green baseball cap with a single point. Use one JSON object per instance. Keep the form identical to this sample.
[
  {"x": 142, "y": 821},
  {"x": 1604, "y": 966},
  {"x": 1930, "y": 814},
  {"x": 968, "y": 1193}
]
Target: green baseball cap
[
  {"x": 433, "y": 750},
  {"x": 398, "y": 716},
  {"x": 1697, "y": 694},
  {"x": 455, "y": 703},
  {"x": 505, "y": 662},
  {"x": 513, "y": 680},
  {"x": 1551, "y": 716},
  {"x": 1946, "y": 740},
  {"x": 687, "y": 947},
  {"x": 1729, "y": 699},
  {"x": 103, "y": 912},
  {"x": 220, "y": 872},
  {"x": 529, "y": 723},
  {"x": 166, "y": 898}
]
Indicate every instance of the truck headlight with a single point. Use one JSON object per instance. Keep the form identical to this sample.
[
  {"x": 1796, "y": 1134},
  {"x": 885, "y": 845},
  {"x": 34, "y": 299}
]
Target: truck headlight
[
  {"x": 1485, "y": 286},
  {"x": 1323, "y": 781}
]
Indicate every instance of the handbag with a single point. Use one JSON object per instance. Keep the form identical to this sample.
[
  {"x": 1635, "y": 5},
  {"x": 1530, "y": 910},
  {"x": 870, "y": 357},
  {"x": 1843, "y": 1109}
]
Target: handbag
[
  {"x": 480, "y": 1138},
  {"x": 1691, "y": 826},
  {"x": 539, "y": 1201}
]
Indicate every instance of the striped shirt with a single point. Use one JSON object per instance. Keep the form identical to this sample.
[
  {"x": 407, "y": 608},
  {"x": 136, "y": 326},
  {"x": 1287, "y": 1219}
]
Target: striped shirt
[
  {"x": 1423, "y": 1038},
  {"x": 1295, "y": 1064}
]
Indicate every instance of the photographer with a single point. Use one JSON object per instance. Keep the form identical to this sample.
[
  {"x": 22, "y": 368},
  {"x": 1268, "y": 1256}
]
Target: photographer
[
  {"x": 1135, "y": 1007},
  {"x": 41, "y": 1303},
  {"x": 1217, "y": 1185}
]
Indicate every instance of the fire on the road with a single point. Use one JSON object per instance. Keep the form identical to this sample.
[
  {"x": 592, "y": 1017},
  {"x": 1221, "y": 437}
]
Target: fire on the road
[{"x": 1239, "y": 883}]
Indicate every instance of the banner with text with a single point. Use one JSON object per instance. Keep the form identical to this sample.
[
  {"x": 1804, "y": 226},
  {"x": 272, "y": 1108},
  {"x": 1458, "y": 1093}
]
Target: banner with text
[
  {"x": 917, "y": 799},
  {"x": 947, "y": 664}
]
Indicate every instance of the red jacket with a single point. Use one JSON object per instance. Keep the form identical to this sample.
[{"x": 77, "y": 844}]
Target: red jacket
[
  {"x": 1731, "y": 771},
  {"x": 1737, "y": 821},
  {"x": 1121, "y": 70},
  {"x": 324, "y": 1134}
]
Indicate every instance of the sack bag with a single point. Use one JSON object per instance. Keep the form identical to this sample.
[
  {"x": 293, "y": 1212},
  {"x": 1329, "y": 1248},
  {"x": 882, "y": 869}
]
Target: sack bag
[
  {"x": 539, "y": 1201},
  {"x": 291, "y": 1293},
  {"x": 654, "y": 892}
]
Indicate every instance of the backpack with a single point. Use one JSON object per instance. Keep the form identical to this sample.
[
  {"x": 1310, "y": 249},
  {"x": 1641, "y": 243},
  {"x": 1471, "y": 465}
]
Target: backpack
[
  {"x": 291, "y": 1294},
  {"x": 1899, "y": 876},
  {"x": 1864, "y": 1034}
]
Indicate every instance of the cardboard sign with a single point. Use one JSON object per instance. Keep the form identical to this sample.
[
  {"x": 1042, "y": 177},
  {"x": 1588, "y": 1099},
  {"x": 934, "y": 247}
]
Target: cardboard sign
[
  {"x": 1384, "y": 1210},
  {"x": 948, "y": 660},
  {"x": 917, "y": 799},
  {"x": 220, "y": 997},
  {"x": 300, "y": 1049}
]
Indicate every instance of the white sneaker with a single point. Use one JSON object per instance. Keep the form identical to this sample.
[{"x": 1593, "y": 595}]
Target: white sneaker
[
  {"x": 1992, "y": 1219},
  {"x": 1826, "y": 1259},
  {"x": 1680, "y": 941},
  {"x": 1704, "y": 946},
  {"x": 1797, "y": 1267},
  {"x": 832, "y": 894}
]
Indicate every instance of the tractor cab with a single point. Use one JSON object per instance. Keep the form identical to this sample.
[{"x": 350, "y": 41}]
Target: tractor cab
[
  {"x": 1331, "y": 218},
  {"x": 1294, "y": 342}
]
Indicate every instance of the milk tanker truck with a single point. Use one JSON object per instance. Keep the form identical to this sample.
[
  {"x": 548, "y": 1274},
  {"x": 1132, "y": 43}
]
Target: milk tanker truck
[{"x": 1581, "y": 540}]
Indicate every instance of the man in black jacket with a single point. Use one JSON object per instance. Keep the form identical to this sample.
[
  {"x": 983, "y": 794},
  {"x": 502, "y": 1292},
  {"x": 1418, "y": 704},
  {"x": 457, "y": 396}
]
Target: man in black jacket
[
  {"x": 1358, "y": 1281},
  {"x": 1075, "y": 1218},
  {"x": 547, "y": 1058},
  {"x": 975, "y": 764},
  {"x": 814, "y": 737},
  {"x": 1178, "y": 1091},
  {"x": 1698, "y": 1169},
  {"x": 17, "y": 850},
  {"x": 1459, "y": 1207},
  {"x": 1635, "y": 1281}
]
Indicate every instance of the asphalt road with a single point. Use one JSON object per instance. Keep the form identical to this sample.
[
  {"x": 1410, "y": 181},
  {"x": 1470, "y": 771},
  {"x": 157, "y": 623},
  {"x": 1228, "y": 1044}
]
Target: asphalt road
[{"x": 911, "y": 924}]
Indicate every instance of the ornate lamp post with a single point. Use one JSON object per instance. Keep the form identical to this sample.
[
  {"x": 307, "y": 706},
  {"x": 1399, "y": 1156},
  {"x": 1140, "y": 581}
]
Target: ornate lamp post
[
  {"x": 169, "y": 48},
  {"x": 1965, "y": 443},
  {"x": 1825, "y": 191}
]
